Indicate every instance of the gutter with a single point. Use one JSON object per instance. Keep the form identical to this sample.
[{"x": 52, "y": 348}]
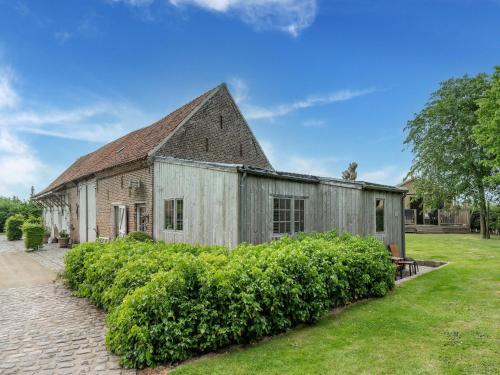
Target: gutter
[{"x": 242, "y": 206}]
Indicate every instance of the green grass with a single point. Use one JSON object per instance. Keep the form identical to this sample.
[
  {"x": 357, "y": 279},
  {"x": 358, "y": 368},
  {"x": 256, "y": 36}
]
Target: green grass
[{"x": 444, "y": 322}]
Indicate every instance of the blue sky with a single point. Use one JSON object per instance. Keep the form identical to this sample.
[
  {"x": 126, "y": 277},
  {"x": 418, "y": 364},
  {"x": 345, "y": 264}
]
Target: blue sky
[{"x": 321, "y": 82}]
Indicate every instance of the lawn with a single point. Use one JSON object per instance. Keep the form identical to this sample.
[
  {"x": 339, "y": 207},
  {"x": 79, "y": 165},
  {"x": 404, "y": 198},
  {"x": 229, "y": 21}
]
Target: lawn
[{"x": 444, "y": 322}]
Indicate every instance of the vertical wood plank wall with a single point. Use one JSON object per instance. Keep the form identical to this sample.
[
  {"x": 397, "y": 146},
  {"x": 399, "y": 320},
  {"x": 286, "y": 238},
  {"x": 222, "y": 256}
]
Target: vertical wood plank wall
[
  {"x": 328, "y": 206},
  {"x": 210, "y": 203}
]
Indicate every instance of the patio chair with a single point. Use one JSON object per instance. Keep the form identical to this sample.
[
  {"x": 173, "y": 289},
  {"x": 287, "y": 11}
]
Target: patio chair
[{"x": 401, "y": 261}]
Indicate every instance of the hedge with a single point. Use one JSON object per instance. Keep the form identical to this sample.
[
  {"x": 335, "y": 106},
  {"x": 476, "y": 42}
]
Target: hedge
[
  {"x": 168, "y": 302},
  {"x": 13, "y": 227},
  {"x": 139, "y": 236},
  {"x": 33, "y": 235}
]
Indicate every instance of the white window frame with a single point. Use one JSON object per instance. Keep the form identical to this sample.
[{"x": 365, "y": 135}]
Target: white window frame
[{"x": 175, "y": 219}]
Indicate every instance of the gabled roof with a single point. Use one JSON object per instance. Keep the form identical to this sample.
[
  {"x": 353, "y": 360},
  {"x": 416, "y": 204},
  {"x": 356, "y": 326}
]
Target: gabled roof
[{"x": 131, "y": 147}]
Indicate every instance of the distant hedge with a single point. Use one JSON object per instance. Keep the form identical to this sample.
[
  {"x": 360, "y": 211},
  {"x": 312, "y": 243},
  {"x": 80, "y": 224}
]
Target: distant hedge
[
  {"x": 13, "y": 227},
  {"x": 33, "y": 235},
  {"x": 168, "y": 302}
]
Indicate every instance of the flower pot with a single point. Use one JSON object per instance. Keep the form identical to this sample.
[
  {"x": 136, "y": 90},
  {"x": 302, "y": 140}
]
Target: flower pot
[
  {"x": 63, "y": 242},
  {"x": 46, "y": 238}
]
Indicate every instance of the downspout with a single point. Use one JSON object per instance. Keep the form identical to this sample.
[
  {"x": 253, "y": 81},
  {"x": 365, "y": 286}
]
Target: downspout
[
  {"x": 403, "y": 240},
  {"x": 242, "y": 207}
]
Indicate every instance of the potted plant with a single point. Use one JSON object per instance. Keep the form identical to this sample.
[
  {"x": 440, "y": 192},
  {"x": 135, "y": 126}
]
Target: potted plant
[
  {"x": 46, "y": 235},
  {"x": 63, "y": 238}
]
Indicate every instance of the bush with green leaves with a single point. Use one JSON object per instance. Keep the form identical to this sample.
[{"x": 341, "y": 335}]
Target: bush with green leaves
[
  {"x": 13, "y": 227},
  {"x": 138, "y": 236},
  {"x": 33, "y": 235},
  {"x": 168, "y": 302},
  {"x": 12, "y": 206}
]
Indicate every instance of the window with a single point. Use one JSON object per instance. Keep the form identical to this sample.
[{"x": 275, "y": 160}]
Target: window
[
  {"x": 174, "y": 214},
  {"x": 142, "y": 218},
  {"x": 298, "y": 215},
  {"x": 282, "y": 215},
  {"x": 379, "y": 215},
  {"x": 179, "y": 209}
]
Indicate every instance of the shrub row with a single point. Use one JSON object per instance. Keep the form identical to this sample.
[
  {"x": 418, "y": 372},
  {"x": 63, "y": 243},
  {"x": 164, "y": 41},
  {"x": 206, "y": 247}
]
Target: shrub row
[
  {"x": 168, "y": 302},
  {"x": 33, "y": 235},
  {"x": 13, "y": 227}
]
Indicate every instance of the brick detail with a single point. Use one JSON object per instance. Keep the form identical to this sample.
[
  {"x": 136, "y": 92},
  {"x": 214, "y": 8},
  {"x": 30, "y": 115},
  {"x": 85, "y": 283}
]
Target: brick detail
[
  {"x": 114, "y": 189},
  {"x": 228, "y": 141}
]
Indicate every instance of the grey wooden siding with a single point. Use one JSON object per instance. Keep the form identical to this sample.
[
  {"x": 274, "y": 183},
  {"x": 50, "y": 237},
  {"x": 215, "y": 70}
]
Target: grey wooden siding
[
  {"x": 327, "y": 206},
  {"x": 210, "y": 203}
]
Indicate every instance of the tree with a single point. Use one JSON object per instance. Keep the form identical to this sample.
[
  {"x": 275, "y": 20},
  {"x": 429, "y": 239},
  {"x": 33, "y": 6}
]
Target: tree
[
  {"x": 487, "y": 131},
  {"x": 447, "y": 160}
]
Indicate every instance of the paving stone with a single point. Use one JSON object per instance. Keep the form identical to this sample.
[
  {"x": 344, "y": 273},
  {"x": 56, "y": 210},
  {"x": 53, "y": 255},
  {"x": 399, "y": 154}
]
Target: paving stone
[{"x": 46, "y": 330}]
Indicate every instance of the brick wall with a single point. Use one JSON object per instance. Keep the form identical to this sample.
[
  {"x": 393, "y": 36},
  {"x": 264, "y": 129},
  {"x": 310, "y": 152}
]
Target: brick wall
[
  {"x": 112, "y": 187},
  {"x": 205, "y": 137}
]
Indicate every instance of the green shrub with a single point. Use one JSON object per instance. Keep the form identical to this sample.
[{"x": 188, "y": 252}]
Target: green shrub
[
  {"x": 12, "y": 206},
  {"x": 168, "y": 302},
  {"x": 138, "y": 236},
  {"x": 75, "y": 261},
  {"x": 13, "y": 227},
  {"x": 33, "y": 235},
  {"x": 34, "y": 220}
]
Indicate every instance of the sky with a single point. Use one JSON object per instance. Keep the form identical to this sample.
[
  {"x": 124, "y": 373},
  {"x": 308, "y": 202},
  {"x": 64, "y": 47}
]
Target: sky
[{"x": 321, "y": 82}]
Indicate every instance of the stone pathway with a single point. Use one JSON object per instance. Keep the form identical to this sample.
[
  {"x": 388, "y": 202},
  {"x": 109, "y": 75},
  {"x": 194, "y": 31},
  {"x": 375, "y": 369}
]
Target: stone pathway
[{"x": 45, "y": 330}]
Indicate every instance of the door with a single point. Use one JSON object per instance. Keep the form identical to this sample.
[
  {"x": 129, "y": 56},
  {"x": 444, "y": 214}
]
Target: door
[
  {"x": 91, "y": 212},
  {"x": 120, "y": 220},
  {"x": 141, "y": 219},
  {"x": 82, "y": 211}
]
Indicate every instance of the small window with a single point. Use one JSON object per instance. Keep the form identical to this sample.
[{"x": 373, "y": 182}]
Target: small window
[
  {"x": 174, "y": 214},
  {"x": 179, "y": 209},
  {"x": 206, "y": 144},
  {"x": 282, "y": 215},
  {"x": 298, "y": 215},
  {"x": 379, "y": 215},
  {"x": 220, "y": 122},
  {"x": 241, "y": 149}
]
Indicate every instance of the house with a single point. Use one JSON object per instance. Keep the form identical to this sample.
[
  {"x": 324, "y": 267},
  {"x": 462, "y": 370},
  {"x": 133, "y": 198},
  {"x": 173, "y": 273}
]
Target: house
[
  {"x": 421, "y": 217},
  {"x": 200, "y": 175}
]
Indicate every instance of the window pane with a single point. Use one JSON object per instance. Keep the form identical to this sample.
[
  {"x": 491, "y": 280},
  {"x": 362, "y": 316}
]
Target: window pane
[
  {"x": 276, "y": 203},
  {"x": 169, "y": 214},
  {"x": 379, "y": 215},
  {"x": 276, "y": 228},
  {"x": 180, "y": 214}
]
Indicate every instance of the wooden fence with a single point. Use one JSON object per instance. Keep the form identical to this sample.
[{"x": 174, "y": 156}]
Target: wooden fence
[
  {"x": 410, "y": 216},
  {"x": 457, "y": 216}
]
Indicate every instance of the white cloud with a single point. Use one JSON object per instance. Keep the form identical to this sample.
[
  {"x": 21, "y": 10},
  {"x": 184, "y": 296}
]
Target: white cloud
[
  {"x": 326, "y": 166},
  {"x": 389, "y": 175},
  {"x": 8, "y": 97},
  {"x": 315, "y": 124},
  {"x": 134, "y": 3},
  {"x": 63, "y": 36},
  {"x": 256, "y": 112},
  {"x": 19, "y": 166},
  {"x": 290, "y": 16},
  {"x": 101, "y": 121}
]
